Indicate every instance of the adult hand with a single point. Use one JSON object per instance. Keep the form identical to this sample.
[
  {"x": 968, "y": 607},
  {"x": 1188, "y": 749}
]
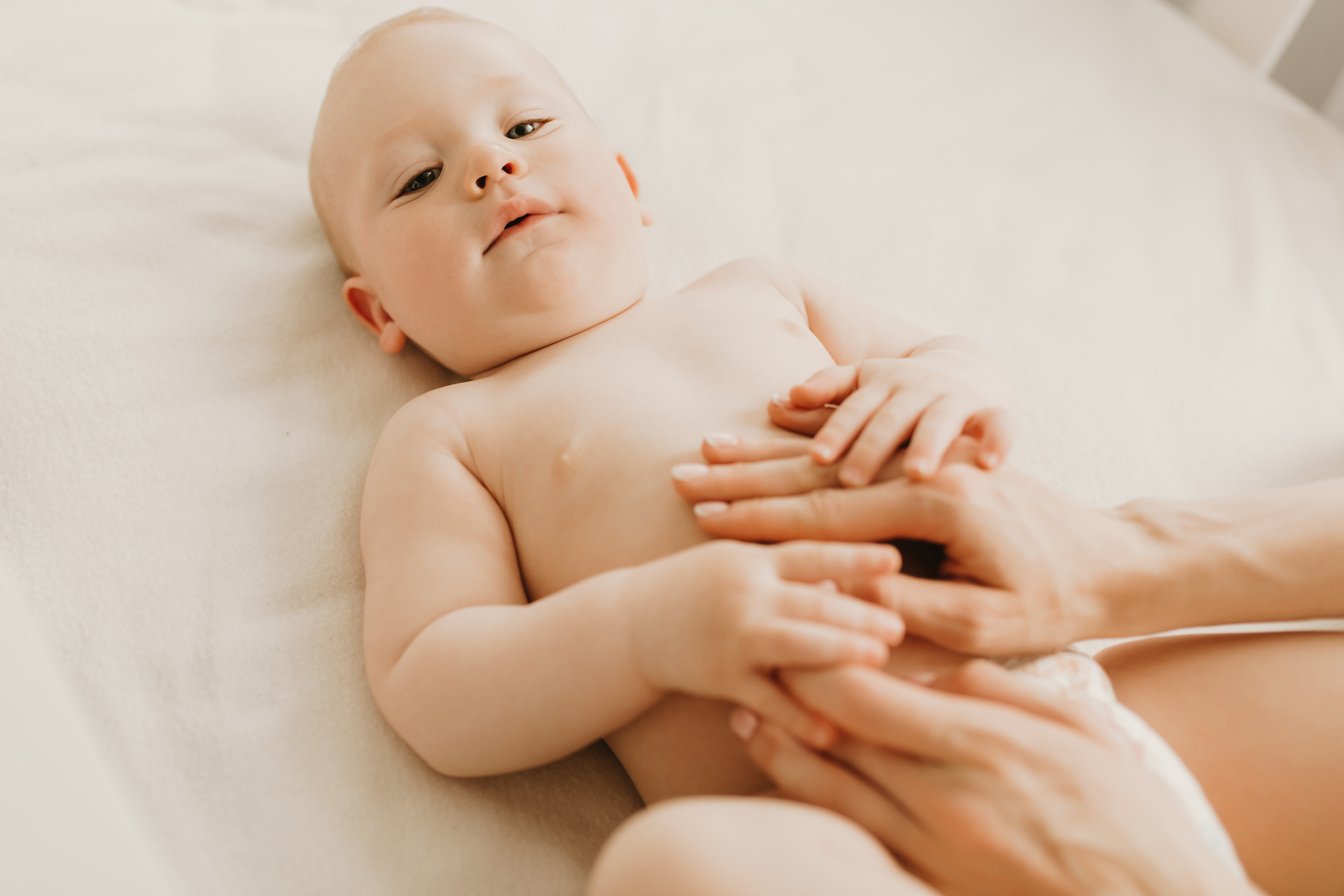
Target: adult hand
[
  {"x": 1026, "y": 569},
  {"x": 984, "y": 783}
]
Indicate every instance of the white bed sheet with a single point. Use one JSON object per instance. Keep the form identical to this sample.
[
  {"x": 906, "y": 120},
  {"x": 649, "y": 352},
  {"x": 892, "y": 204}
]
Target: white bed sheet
[{"x": 1150, "y": 236}]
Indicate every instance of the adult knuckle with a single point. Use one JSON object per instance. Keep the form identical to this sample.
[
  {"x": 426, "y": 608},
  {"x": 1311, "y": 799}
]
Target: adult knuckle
[
  {"x": 820, "y": 509},
  {"x": 960, "y": 481}
]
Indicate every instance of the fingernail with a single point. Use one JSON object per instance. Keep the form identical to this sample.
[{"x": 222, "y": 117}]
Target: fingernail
[
  {"x": 851, "y": 478},
  {"x": 828, "y": 585},
  {"x": 743, "y": 723},
  {"x": 780, "y": 401},
  {"x": 720, "y": 439},
  {"x": 989, "y": 459},
  {"x": 924, "y": 678},
  {"x": 709, "y": 508},
  {"x": 689, "y": 471},
  {"x": 824, "y": 453},
  {"x": 820, "y": 735},
  {"x": 892, "y": 627}
]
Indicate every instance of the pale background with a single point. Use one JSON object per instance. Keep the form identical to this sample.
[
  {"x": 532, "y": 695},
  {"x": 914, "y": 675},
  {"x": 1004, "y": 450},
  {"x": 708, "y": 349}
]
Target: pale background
[{"x": 1147, "y": 231}]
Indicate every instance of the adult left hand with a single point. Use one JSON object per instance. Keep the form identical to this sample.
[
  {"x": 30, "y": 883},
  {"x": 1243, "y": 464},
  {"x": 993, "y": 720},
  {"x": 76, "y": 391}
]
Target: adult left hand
[{"x": 984, "y": 783}]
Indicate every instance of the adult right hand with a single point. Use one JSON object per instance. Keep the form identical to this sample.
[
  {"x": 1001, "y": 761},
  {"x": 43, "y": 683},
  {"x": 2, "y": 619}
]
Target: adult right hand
[{"x": 1026, "y": 569}]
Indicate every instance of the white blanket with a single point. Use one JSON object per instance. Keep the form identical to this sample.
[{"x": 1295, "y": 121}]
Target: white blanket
[{"x": 1152, "y": 238}]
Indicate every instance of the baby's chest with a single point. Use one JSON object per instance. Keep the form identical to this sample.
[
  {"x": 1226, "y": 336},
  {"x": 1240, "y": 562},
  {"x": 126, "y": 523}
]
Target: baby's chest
[{"x": 581, "y": 463}]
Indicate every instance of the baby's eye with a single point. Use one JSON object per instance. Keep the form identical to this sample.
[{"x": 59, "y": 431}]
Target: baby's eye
[
  {"x": 420, "y": 181},
  {"x": 531, "y": 125}
]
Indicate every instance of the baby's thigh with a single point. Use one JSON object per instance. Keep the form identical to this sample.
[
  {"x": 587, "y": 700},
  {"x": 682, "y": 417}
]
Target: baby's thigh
[
  {"x": 1257, "y": 719},
  {"x": 743, "y": 846}
]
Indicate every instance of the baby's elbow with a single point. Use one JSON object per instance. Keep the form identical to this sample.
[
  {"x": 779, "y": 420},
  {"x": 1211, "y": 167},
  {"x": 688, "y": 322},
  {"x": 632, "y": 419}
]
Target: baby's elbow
[{"x": 435, "y": 730}]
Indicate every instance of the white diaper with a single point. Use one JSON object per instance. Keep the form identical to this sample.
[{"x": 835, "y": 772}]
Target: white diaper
[{"x": 1073, "y": 672}]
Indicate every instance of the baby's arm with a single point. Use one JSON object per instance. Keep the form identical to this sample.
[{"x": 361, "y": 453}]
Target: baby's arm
[
  {"x": 478, "y": 681},
  {"x": 893, "y": 381},
  {"x": 474, "y": 678}
]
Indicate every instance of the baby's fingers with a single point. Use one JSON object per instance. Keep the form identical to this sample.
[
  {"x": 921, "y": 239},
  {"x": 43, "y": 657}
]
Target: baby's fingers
[
  {"x": 772, "y": 702},
  {"x": 826, "y": 386},
  {"x": 830, "y": 607},
  {"x": 886, "y": 431},
  {"x": 991, "y": 429},
  {"x": 834, "y": 438},
  {"x": 798, "y": 644},
  {"x": 939, "y": 425},
  {"x": 785, "y": 415},
  {"x": 816, "y": 561}
]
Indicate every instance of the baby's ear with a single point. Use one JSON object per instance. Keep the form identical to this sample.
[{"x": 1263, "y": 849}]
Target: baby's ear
[
  {"x": 644, "y": 215},
  {"x": 370, "y": 311}
]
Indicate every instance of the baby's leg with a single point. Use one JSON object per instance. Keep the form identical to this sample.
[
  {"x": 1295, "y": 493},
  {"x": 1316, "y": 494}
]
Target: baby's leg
[
  {"x": 1258, "y": 720},
  {"x": 741, "y": 846}
]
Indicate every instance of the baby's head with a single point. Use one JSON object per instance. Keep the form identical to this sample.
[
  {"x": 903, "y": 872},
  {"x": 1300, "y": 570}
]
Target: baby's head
[{"x": 437, "y": 130}]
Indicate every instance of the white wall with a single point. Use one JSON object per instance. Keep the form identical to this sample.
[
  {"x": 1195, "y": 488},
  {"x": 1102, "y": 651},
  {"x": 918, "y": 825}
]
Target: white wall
[{"x": 1298, "y": 43}]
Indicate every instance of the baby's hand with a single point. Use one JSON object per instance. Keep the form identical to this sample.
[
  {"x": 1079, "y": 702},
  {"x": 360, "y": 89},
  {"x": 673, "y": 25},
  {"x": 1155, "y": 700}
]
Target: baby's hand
[
  {"x": 883, "y": 402},
  {"x": 717, "y": 619}
]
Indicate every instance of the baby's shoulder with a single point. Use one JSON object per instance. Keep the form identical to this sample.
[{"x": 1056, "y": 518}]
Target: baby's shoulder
[
  {"x": 759, "y": 272},
  {"x": 431, "y": 422}
]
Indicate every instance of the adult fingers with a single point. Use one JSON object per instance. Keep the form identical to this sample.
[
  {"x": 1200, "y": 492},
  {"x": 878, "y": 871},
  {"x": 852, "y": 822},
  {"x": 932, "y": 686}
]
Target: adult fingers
[
  {"x": 769, "y": 701},
  {"x": 831, "y": 607},
  {"x": 830, "y": 384},
  {"x": 803, "y": 775},
  {"x": 894, "y": 713},
  {"x": 989, "y": 681},
  {"x": 961, "y": 616},
  {"x": 729, "y": 448},
  {"x": 890, "y": 509},
  {"x": 728, "y": 482}
]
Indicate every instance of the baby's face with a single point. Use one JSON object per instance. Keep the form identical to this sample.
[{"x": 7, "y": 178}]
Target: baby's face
[{"x": 433, "y": 136}]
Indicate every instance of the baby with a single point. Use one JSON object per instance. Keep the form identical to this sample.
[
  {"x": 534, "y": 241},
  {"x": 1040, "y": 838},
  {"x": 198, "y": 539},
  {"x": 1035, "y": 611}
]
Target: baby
[{"x": 533, "y": 581}]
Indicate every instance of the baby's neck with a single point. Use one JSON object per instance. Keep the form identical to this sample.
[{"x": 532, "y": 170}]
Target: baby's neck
[{"x": 541, "y": 354}]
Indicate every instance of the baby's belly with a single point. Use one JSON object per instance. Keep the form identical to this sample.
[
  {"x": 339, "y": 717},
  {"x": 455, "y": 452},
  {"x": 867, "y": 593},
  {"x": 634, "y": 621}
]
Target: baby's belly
[{"x": 683, "y": 747}]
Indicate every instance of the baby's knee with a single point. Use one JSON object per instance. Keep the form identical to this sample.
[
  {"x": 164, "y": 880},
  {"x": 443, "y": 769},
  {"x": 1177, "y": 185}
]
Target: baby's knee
[{"x": 666, "y": 848}]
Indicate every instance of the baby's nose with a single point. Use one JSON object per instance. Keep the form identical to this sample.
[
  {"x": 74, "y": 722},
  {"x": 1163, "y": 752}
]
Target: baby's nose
[{"x": 493, "y": 164}]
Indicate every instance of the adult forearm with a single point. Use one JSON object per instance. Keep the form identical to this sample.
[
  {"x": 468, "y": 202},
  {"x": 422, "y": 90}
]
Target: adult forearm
[
  {"x": 491, "y": 689},
  {"x": 1274, "y": 555}
]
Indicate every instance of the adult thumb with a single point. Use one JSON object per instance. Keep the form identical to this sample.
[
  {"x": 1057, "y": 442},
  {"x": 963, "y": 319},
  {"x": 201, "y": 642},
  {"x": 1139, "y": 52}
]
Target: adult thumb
[{"x": 957, "y": 615}]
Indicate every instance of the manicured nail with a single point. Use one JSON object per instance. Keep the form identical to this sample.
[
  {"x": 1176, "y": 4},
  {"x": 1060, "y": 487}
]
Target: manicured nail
[
  {"x": 720, "y": 439},
  {"x": 709, "y": 508},
  {"x": 743, "y": 722},
  {"x": 689, "y": 471}
]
